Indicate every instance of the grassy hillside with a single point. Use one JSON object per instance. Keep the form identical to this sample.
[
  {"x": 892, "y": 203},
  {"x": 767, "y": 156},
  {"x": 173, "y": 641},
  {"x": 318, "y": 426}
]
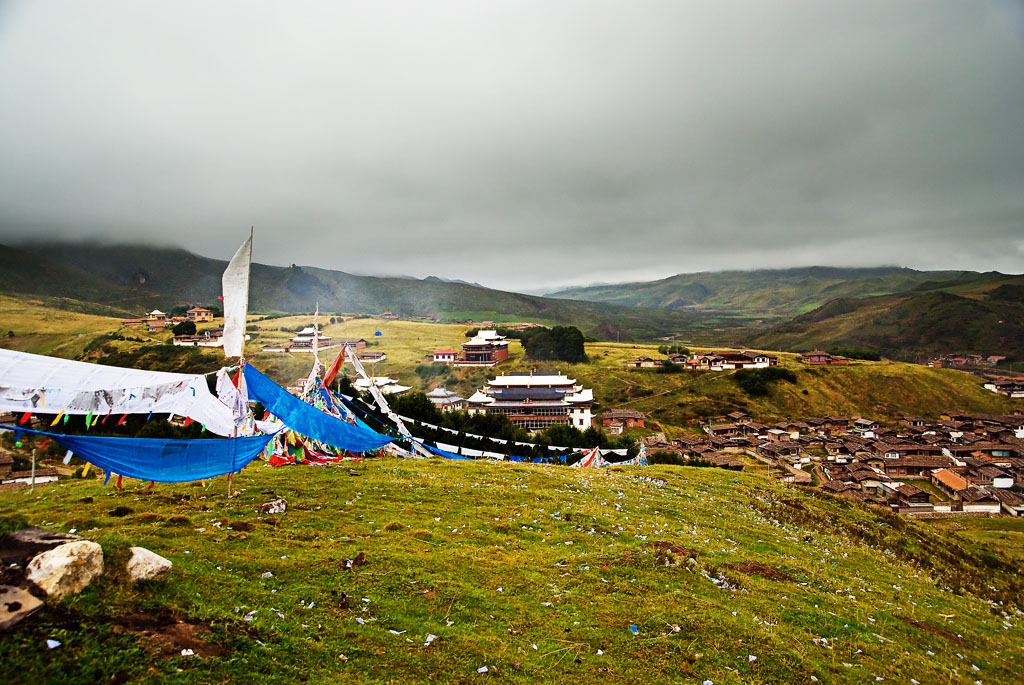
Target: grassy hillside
[
  {"x": 38, "y": 274},
  {"x": 536, "y": 573},
  {"x": 985, "y": 317},
  {"x": 881, "y": 390},
  {"x": 768, "y": 293},
  {"x": 42, "y": 326},
  {"x": 168, "y": 276}
]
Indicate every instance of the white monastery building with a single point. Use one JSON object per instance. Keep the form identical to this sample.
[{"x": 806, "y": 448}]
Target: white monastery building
[{"x": 536, "y": 401}]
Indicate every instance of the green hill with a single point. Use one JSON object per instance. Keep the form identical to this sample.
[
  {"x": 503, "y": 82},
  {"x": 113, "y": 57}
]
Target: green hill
[
  {"x": 538, "y": 574},
  {"x": 26, "y": 272},
  {"x": 165, "y": 277},
  {"x": 768, "y": 293},
  {"x": 983, "y": 317}
]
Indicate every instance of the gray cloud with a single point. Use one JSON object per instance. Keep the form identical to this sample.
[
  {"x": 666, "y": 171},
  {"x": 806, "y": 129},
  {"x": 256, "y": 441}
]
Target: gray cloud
[{"x": 522, "y": 144}]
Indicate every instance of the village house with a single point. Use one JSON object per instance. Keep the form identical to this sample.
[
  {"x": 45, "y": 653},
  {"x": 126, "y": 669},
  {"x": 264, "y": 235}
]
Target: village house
[
  {"x": 445, "y": 356},
  {"x": 487, "y": 348},
  {"x": 918, "y": 466},
  {"x": 821, "y": 358},
  {"x": 728, "y": 360},
  {"x": 907, "y": 499},
  {"x": 42, "y": 475},
  {"x": 199, "y": 315},
  {"x": 978, "y": 501},
  {"x": 371, "y": 357},
  {"x": 446, "y": 400},
  {"x": 535, "y": 401},
  {"x": 1011, "y": 502},
  {"x": 303, "y": 340},
  {"x": 643, "y": 363},
  {"x": 949, "y": 481},
  {"x": 722, "y": 429},
  {"x": 1011, "y": 387},
  {"x": 628, "y": 418}
]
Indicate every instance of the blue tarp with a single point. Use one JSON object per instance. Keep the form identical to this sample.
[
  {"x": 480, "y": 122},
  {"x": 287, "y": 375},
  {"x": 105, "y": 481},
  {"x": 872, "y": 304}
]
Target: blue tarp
[
  {"x": 165, "y": 461},
  {"x": 442, "y": 453},
  {"x": 308, "y": 420}
]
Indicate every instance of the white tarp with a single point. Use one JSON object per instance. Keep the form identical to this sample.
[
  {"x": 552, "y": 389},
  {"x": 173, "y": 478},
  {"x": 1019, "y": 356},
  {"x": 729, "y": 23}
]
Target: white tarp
[
  {"x": 32, "y": 382},
  {"x": 235, "y": 284}
]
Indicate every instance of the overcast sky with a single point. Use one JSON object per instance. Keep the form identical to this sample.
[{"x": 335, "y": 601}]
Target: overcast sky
[{"x": 522, "y": 144}]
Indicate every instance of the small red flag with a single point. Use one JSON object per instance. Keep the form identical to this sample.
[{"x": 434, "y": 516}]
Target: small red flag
[
  {"x": 25, "y": 417},
  {"x": 188, "y": 420}
]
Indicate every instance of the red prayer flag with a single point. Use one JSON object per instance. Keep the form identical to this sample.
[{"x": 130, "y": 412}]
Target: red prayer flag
[
  {"x": 25, "y": 417},
  {"x": 335, "y": 367}
]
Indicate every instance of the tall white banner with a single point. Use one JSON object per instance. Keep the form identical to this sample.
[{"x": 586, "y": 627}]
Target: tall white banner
[{"x": 235, "y": 284}]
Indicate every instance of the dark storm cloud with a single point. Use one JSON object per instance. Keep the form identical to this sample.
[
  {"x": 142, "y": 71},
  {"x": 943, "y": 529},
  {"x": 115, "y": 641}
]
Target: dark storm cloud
[{"x": 522, "y": 144}]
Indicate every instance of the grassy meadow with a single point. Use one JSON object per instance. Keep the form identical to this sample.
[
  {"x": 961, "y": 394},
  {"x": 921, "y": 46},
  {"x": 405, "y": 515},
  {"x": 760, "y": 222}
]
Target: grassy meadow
[{"x": 536, "y": 573}]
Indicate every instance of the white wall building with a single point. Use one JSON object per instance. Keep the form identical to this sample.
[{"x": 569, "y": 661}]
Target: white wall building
[{"x": 536, "y": 401}]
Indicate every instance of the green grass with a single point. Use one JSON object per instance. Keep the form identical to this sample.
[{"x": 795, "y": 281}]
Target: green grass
[{"x": 477, "y": 555}]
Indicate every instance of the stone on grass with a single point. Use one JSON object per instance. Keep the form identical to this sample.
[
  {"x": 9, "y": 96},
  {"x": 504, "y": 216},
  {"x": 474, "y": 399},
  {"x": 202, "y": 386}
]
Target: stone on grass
[
  {"x": 16, "y": 604},
  {"x": 278, "y": 506},
  {"x": 146, "y": 565},
  {"x": 67, "y": 569}
]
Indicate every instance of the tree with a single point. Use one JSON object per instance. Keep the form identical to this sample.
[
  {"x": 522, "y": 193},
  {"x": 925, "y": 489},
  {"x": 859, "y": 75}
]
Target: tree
[
  {"x": 185, "y": 328},
  {"x": 416, "y": 405},
  {"x": 561, "y": 343}
]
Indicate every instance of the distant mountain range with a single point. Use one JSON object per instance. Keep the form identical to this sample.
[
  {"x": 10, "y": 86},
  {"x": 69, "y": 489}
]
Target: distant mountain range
[
  {"x": 898, "y": 311},
  {"x": 763, "y": 294},
  {"x": 984, "y": 316},
  {"x": 134, "y": 278}
]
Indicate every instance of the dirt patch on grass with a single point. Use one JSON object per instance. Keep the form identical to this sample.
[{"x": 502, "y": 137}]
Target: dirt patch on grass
[
  {"x": 168, "y": 634},
  {"x": 242, "y": 526},
  {"x": 754, "y": 568},
  {"x": 120, "y": 511},
  {"x": 932, "y": 629}
]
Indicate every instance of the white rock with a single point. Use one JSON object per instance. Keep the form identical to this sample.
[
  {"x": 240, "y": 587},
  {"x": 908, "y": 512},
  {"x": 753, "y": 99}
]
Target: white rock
[
  {"x": 146, "y": 565},
  {"x": 277, "y": 506},
  {"x": 67, "y": 569}
]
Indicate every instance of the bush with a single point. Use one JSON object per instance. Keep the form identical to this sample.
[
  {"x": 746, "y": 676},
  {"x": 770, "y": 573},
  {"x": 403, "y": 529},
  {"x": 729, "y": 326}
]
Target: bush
[
  {"x": 854, "y": 352},
  {"x": 756, "y": 382},
  {"x": 668, "y": 367},
  {"x": 185, "y": 328},
  {"x": 428, "y": 371}
]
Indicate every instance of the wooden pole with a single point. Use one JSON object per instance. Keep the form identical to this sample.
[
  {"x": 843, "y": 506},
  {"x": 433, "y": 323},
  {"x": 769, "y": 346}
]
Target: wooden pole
[{"x": 33, "y": 469}]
